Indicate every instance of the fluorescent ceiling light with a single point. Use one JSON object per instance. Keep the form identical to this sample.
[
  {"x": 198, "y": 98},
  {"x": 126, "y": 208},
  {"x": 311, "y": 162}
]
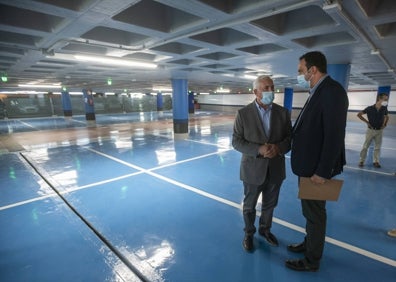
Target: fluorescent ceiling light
[
  {"x": 223, "y": 90},
  {"x": 250, "y": 77},
  {"x": 327, "y": 7},
  {"x": 114, "y": 61},
  {"x": 22, "y": 92},
  {"x": 279, "y": 76},
  {"x": 118, "y": 53},
  {"x": 162, "y": 89},
  {"x": 39, "y": 86},
  {"x": 102, "y": 60}
]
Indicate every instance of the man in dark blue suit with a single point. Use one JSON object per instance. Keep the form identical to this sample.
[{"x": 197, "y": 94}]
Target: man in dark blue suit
[{"x": 318, "y": 150}]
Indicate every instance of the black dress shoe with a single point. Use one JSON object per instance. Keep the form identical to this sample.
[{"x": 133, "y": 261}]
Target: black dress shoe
[
  {"x": 300, "y": 265},
  {"x": 270, "y": 238},
  {"x": 377, "y": 165},
  {"x": 248, "y": 243},
  {"x": 296, "y": 248}
]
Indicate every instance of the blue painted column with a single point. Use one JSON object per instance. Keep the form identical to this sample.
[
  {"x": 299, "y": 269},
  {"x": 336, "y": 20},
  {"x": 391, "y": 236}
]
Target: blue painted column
[
  {"x": 160, "y": 102},
  {"x": 66, "y": 104},
  {"x": 384, "y": 89},
  {"x": 89, "y": 105},
  {"x": 288, "y": 98},
  {"x": 340, "y": 73},
  {"x": 180, "y": 105},
  {"x": 190, "y": 102}
]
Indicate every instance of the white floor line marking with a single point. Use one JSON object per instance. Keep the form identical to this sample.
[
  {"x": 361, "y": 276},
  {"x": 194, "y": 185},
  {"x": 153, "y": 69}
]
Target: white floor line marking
[
  {"x": 76, "y": 120},
  {"x": 361, "y": 251},
  {"x": 29, "y": 125},
  {"x": 69, "y": 191},
  {"x": 140, "y": 171},
  {"x": 191, "y": 159},
  {"x": 346, "y": 246},
  {"x": 27, "y": 201},
  {"x": 368, "y": 170},
  {"x": 360, "y": 145},
  {"x": 288, "y": 157},
  {"x": 158, "y": 167},
  {"x": 208, "y": 143},
  {"x": 102, "y": 182}
]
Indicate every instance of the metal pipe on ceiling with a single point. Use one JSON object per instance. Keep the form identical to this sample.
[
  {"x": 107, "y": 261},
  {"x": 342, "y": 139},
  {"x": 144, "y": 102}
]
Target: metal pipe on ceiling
[{"x": 337, "y": 6}]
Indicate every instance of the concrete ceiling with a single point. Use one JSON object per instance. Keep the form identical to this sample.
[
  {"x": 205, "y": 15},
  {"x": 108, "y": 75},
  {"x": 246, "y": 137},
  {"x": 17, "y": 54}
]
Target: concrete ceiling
[{"x": 212, "y": 43}]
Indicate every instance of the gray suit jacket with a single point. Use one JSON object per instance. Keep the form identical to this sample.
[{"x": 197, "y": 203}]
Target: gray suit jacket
[{"x": 248, "y": 135}]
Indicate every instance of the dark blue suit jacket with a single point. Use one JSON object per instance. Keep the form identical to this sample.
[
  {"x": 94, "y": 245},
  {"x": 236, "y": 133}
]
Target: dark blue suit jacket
[{"x": 318, "y": 145}]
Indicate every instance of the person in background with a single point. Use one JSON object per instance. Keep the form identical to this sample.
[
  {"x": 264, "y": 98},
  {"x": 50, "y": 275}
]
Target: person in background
[
  {"x": 378, "y": 118},
  {"x": 262, "y": 133},
  {"x": 318, "y": 150}
]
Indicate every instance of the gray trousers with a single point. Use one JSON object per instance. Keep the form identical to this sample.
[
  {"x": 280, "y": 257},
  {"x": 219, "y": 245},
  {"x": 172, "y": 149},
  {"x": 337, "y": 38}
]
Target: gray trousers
[{"x": 270, "y": 194}]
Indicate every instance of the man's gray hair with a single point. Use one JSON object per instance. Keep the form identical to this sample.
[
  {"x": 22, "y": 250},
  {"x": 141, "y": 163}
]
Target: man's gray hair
[{"x": 258, "y": 79}]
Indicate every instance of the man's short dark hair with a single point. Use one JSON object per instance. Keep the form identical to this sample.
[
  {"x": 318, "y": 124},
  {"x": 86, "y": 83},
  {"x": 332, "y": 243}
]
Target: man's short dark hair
[
  {"x": 317, "y": 59},
  {"x": 381, "y": 95}
]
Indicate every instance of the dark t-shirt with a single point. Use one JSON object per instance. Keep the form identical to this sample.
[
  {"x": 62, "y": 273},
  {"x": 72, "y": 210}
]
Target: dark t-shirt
[{"x": 376, "y": 117}]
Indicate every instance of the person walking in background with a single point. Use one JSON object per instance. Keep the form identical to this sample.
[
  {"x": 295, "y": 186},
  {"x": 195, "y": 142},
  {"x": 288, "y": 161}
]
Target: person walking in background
[
  {"x": 318, "y": 151},
  {"x": 378, "y": 118},
  {"x": 262, "y": 133}
]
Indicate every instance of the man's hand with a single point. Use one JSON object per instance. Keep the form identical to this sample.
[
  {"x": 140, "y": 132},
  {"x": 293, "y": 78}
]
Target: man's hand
[
  {"x": 269, "y": 150},
  {"x": 318, "y": 179}
]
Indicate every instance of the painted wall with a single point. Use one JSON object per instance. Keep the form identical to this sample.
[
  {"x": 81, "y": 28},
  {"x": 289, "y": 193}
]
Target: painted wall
[{"x": 358, "y": 100}]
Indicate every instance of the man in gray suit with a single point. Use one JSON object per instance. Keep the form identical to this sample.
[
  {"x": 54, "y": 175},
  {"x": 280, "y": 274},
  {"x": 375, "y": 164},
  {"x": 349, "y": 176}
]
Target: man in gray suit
[{"x": 262, "y": 133}]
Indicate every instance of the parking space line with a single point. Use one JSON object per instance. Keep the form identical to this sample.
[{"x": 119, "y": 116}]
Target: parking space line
[{"x": 297, "y": 228}]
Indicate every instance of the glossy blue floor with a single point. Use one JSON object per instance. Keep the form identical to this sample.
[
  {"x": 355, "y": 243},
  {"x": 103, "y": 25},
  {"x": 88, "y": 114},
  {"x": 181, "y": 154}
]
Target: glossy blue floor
[{"x": 129, "y": 202}]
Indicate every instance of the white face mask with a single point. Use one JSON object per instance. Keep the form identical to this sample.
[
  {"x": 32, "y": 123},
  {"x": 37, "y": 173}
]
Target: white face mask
[{"x": 384, "y": 103}]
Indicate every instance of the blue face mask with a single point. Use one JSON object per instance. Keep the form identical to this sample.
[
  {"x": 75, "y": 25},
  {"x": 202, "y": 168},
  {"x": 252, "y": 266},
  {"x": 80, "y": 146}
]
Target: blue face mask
[
  {"x": 302, "y": 82},
  {"x": 268, "y": 97}
]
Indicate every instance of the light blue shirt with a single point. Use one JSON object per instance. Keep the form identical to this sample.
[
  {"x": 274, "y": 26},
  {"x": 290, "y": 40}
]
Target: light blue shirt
[
  {"x": 313, "y": 89},
  {"x": 265, "y": 116}
]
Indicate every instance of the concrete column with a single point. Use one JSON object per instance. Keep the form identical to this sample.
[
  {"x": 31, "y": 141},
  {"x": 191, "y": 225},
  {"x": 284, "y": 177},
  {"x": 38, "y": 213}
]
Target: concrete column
[
  {"x": 191, "y": 102},
  {"x": 288, "y": 98},
  {"x": 384, "y": 89},
  {"x": 180, "y": 106},
  {"x": 66, "y": 104},
  {"x": 340, "y": 73},
  {"x": 89, "y": 106},
  {"x": 160, "y": 102}
]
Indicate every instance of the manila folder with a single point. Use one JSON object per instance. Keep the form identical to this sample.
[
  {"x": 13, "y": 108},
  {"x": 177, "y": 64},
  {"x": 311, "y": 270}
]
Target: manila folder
[{"x": 328, "y": 191}]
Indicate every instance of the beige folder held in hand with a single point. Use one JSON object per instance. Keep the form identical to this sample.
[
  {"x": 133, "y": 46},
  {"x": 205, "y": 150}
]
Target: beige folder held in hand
[{"x": 328, "y": 191}]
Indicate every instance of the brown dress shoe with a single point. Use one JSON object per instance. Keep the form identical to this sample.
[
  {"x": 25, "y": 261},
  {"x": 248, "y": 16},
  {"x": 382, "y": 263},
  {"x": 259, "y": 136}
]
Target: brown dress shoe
[{"x": 377, "y": 165}]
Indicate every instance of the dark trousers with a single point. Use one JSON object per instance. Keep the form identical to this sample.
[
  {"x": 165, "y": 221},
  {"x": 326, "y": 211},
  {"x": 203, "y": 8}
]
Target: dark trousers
[
  {"x": 315, "y": 215},
  {"x": 270, "y": 194}
]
